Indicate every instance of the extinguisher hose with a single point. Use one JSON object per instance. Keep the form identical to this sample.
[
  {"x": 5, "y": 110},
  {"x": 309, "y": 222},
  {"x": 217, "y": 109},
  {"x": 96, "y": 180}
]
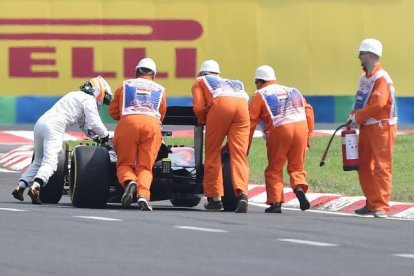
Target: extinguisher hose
[{"x": 329, "y": 145}]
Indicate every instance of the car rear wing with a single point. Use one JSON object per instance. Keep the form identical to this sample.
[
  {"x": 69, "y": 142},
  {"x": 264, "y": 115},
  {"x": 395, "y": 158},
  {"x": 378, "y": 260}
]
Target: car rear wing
[
  {"x": 184, "y": 116},
  {"x": 180, "y": 115}
]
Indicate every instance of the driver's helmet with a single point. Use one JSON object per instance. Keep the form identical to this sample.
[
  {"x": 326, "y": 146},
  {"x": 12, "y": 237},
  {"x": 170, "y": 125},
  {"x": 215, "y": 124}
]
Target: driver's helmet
[{"x": 100, "y": 89}]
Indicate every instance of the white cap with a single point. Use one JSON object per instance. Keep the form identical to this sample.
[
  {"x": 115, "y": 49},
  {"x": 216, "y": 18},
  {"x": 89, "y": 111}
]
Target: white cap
[
  {"x": 265, "y": 72},
  {"x": 147, "y": 63},
  {"x": 210, "y": 66},
  {"x": 371, "y": 45}
]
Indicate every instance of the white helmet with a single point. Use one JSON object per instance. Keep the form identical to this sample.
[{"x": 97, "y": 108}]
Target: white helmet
[
  {"x": 210, "y": 66},
  {"x": 371, "y": 45},
  {"x": 265, "y": 72},
  {"x": 147, "y": 63}
]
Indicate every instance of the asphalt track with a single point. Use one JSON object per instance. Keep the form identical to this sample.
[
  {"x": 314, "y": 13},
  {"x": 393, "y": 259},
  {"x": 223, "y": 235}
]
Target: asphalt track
[
  {"x": 63, "y": 240},
  {"x": 20, "y": 157}
]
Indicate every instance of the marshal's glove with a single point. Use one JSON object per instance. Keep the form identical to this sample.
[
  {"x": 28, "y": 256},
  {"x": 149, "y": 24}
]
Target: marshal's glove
[{"x": 308, "y": 143}]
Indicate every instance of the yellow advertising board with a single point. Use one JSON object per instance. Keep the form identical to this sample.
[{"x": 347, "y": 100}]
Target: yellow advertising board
[{"x": 48, "y": 47}]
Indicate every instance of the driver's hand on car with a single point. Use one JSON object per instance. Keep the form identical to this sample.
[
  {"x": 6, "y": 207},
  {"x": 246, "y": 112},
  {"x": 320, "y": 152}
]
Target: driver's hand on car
[{"x": 104, "y": 141}]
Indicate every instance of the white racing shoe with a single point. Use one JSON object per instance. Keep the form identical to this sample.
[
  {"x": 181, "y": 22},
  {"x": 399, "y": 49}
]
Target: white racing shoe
[
  {"x": 128, "y": 196},
  {"x": 144, "y": 204}
]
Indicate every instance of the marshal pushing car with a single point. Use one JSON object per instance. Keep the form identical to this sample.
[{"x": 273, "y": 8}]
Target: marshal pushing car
[{"x": 88, "y": 171}]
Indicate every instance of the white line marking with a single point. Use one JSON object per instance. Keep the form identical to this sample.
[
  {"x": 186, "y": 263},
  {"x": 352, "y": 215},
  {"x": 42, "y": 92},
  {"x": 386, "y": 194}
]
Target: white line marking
[
  {"x": 405, "y": 255},
  {"x": 201, "y": 229},
  {"x": 308, "y": 242},
  {"x": 12, "y": 210},
  {"x": 98, "y": 218},
  {"x": 8, "y": 171}
]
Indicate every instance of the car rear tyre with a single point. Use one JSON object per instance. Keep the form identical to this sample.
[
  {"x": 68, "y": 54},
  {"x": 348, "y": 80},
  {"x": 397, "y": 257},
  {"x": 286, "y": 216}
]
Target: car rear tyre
[
  {"x": 53, "y": 191},
  {"x": 186, "y": 201},
  {"x": 89, "y": 177},
  {"x": 229, "y": 199}
]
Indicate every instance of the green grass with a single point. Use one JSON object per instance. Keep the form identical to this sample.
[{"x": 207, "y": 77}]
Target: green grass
[{"x": 331, "y": 178}]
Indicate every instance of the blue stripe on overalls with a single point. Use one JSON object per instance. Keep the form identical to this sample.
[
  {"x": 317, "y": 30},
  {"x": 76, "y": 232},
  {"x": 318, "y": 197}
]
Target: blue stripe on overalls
[
  {"x": 216, "y": 82},
  {"x": 129, "y": 95},
  {"x": 274, "y": 104},
  {"x": 360, "y": 100}
]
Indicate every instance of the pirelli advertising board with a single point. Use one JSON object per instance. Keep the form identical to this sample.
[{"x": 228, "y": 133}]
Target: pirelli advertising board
[{"x": 49, "y": 47}]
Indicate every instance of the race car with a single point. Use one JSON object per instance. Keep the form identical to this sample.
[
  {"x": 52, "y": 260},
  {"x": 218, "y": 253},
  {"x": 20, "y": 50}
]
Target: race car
[{"x": 88, "y": 171}]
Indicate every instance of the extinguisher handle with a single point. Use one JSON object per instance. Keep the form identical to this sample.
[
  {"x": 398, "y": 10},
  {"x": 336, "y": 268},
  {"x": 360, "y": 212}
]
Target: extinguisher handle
[
  {"x": 325, "y": 154},
  {"x": 349, "y": 125}
]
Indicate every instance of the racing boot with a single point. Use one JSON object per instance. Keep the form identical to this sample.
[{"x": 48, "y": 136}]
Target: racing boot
[
  {"x": 18, "y": 193},
  {"x": 303, "y": 201},
  {"x": 34, "y": 193},
  {"x": 130, "y": 192},
  {"x": 364, "y": 210},
  {"x": 242, "y": 205},
  {"x": 213, "y": 205},
  {"x": 143, "y": 203},
  {"x": 274, "y": 208}
]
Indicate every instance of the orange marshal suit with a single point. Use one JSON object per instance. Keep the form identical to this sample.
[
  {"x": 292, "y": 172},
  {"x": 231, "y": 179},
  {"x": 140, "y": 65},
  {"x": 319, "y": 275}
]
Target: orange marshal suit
[
  {"x": 221, "y": 104},
  {"x": 289, "y": 122},
  {"x": 375, "y": 111},
  {"x": 140, "y": 106}
]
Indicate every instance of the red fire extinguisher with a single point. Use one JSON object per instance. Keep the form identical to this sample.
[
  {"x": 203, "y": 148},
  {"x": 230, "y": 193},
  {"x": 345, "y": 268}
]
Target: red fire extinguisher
[{"x": 350, "y": 157}]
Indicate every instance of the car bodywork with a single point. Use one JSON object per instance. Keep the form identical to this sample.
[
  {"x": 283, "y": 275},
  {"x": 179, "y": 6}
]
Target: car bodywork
[{"x": 89, "y": 171}]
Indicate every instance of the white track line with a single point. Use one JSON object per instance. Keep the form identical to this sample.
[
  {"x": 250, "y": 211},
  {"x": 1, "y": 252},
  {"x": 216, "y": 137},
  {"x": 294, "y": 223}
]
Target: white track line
[
  {"x": 98, "y": 218},
  {"x": 314, "y": 243},
  {"x": 8, "y": 171},
  {"x": 200, "y": 229},
  {"x": 12, "y": 210},
  {"x": 404, "y": 255}
]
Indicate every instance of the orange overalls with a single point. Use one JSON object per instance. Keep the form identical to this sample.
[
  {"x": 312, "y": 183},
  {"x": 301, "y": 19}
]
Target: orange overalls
[
  {"x": 222, "y": 105},
  {"x": 139, "y": 105},
  {"x": 289, "y": 123},
  {"x": 375, "y": 111}
]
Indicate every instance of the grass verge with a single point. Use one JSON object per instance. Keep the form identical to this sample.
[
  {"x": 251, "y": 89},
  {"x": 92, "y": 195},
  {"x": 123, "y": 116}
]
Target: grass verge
[{"x": 331, "y": 178}]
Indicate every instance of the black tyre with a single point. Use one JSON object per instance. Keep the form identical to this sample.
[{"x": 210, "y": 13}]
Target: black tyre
[
  {"x": 229, "y": 199},
  {"x": 186, "y": 201},
  {"x": 90, "y": 177},
  {"x": 53, "y": 191}
]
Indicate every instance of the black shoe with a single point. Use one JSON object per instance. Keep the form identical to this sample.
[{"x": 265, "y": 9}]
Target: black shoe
[
  {"x": 242, "y": 206},
  {"x": 303, "y": 201},
  {"x": 214, "y": 205},
  {"x": 144, "y": 204},
  {"x": 18, "y": 193},
  {"x": 129, "y": 194},
  {"x": 274, "y": 208},
  {"x": 34, "y": 193},
  {"x": 363, "y": 211}
]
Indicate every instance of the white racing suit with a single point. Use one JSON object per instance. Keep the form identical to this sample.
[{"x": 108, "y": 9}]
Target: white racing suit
[{"x": 75, "y": 107}]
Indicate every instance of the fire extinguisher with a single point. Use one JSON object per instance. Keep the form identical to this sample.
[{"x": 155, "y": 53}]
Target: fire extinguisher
[{"x": 350, "y": 157}]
